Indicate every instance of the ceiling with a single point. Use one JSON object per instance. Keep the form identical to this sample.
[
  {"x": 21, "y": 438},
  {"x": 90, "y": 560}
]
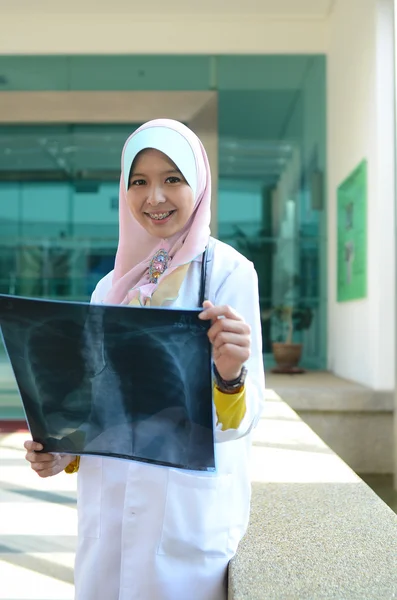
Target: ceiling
[{"x": 312, "y": 9}]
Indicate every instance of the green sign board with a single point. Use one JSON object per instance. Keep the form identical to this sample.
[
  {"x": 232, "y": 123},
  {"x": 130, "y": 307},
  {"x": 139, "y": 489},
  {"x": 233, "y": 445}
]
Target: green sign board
[{"x": 352, "y": 235}]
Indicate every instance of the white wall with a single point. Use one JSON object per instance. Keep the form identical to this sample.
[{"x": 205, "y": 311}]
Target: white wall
[{"x": 360, "y": 126}]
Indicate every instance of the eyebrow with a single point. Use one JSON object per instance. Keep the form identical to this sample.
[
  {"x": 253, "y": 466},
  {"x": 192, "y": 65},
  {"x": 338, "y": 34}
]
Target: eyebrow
[{"x": 163, "y": 173}]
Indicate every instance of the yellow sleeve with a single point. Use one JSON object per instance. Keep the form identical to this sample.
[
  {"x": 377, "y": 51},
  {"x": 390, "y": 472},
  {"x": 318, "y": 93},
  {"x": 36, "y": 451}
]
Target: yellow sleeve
[
  {"x": 73, "y": 467},
  {"x": 230, "y": 408}
]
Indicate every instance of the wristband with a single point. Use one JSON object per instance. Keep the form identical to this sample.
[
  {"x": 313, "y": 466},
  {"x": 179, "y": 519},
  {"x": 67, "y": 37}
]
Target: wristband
[{"x": 233, "y": 386}]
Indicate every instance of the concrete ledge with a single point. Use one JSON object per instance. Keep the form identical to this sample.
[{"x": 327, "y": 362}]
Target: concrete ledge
[
  {"x": 316, "y": 530},
  {"x": 355, "y": 421},
  {"x": 364, "y": 440},
  {"x": 323, "y": 391}
]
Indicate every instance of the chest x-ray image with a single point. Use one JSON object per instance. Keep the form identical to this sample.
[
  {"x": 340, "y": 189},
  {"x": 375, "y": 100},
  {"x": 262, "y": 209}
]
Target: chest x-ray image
[{"x": 116, "y": 381}]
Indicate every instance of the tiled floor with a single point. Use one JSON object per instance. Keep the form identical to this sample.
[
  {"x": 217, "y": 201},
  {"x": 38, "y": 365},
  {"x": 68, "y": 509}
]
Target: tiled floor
[
  {"x": 38, "y": 525},
  {"x": 10, "y": 403}
]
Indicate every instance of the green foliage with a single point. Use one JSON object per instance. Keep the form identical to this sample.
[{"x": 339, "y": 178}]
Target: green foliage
[
  {"x": 290, "y": 315},
  {"x": 289, "y": 319}
]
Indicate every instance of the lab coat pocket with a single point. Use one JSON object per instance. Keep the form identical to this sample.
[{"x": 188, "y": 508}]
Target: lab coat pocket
[
  {"x": 197, "y": 514},
  {"x": 89, "y": 496}
]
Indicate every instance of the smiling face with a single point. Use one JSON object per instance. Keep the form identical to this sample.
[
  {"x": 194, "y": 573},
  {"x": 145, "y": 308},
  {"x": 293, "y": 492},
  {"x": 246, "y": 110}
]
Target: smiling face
[{"x": 158, "y": 195}]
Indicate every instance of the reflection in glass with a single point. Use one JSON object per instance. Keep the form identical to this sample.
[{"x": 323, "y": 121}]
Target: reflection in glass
[{"x": 271, "y": 203}]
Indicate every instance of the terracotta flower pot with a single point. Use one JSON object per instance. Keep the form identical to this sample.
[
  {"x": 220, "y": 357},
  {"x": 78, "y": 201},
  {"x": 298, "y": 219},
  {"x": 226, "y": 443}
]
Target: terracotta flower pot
[{"x": 287, "y": 357}]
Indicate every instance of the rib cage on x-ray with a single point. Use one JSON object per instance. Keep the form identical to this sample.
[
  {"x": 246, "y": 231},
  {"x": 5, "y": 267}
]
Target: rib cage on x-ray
[
  {"x": 137, "y": 421},
  {"x": 59, "y": 384},
  {"x": 120, "y": 381}
]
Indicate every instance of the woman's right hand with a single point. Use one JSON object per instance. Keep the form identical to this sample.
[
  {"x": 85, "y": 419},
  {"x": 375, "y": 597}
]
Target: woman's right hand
[{"x": 45, "y": 464}]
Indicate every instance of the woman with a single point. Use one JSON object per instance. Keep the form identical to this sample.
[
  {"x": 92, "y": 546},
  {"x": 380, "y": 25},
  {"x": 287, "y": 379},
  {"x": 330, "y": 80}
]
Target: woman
[{"x": 148, "y": 532}]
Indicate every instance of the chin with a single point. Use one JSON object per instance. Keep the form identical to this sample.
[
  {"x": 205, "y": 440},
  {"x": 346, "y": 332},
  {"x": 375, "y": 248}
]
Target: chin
[{"x": 164, "y": 233}]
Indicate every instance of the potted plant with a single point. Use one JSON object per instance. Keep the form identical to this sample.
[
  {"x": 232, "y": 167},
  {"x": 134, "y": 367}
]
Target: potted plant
[{"x": 287, "y": 320}]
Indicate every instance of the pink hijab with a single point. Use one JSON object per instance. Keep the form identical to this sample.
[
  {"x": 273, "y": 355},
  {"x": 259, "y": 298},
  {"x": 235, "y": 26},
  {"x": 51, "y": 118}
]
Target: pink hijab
[{"x": 136, "y": 246}]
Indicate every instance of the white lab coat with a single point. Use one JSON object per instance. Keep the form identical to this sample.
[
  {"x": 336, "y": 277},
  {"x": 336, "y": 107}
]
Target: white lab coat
[{"x": 148, "y": 532}]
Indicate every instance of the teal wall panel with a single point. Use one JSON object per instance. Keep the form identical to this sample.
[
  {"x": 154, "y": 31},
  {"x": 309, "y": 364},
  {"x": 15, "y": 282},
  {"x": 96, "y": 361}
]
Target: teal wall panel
[
  {"x": 105, "y": 73},
  {"x": 139, "y": 73},
  {"x": 260, "y": 72},
  {"x": 49, "y": 73}
]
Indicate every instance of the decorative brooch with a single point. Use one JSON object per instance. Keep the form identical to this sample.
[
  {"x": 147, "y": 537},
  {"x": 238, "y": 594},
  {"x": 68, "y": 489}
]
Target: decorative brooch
[{"x": 158, "y": 265}]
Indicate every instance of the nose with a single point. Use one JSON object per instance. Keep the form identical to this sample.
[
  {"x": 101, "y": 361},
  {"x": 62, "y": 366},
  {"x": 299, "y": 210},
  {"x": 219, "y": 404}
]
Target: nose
[{"x": 155, "y": 196}]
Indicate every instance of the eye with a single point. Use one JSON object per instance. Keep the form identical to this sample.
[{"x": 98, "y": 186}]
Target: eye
[
  {"x": 138, "y": 182},
  {"x": 173, "y": 179}
]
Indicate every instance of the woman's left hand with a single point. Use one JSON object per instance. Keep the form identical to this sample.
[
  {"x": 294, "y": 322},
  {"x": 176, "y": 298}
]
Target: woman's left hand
[{"x": 230, "y": 337}]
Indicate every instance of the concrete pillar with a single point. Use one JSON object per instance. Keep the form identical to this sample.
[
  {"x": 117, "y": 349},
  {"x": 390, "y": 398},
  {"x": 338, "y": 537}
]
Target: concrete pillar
[{"x": 205, "y": 125}]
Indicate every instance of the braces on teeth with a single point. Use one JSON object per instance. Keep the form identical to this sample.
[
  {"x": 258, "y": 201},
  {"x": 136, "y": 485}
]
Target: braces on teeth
[{"x": 160, "y": 216}]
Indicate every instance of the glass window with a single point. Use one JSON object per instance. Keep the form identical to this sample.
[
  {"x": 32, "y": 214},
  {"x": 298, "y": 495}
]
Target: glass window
[
  {"x": 58, "y": 208},
  {"x": 271, "y": 203},
  {"x": 59, "y": 184}
]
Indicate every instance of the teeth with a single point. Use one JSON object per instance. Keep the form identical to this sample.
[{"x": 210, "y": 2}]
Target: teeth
[{"x": 160, "y": 216}]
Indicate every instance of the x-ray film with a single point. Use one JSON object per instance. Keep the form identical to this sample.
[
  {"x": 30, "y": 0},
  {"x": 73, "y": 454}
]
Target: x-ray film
[{"x": 118, "y": 381}]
